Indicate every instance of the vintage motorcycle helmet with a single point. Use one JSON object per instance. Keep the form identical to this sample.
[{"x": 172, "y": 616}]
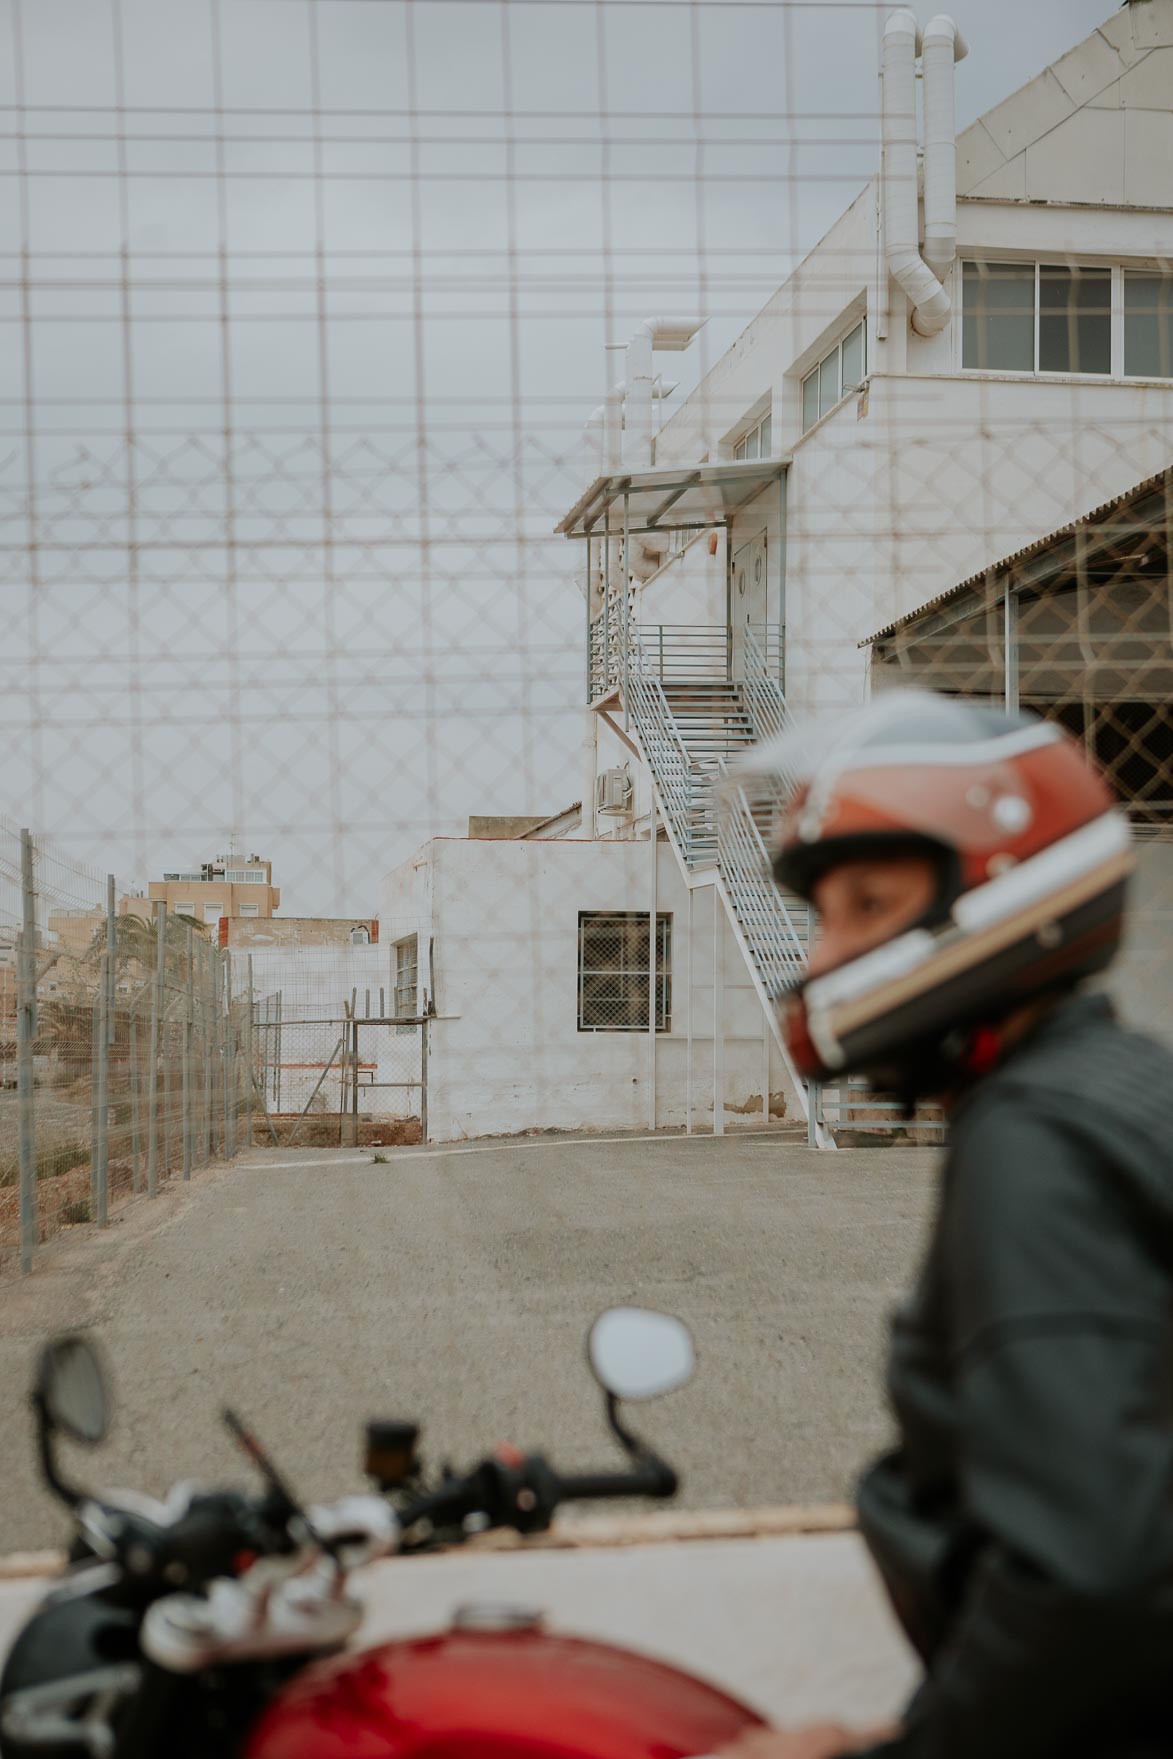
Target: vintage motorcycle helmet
[{"x": 1032, "y": 859}]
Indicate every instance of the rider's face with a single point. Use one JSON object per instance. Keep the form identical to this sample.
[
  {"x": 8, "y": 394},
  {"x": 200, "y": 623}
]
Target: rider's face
[{"x": 863, "y": 903}]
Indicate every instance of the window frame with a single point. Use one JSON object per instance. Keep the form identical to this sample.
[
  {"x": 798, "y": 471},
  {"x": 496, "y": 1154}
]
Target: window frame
[
  {"x": 664, "y": 926},
  {"x": 835, "y": 352},
  {"x": 754, "y": 432},
  {"x": 400, "y": 988},
  {"x": 1116, "y": 372}
]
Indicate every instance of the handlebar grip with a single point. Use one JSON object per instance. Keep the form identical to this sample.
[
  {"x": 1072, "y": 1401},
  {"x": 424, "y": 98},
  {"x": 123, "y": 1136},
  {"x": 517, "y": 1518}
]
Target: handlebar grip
[{"x": 653, "y": 1479}]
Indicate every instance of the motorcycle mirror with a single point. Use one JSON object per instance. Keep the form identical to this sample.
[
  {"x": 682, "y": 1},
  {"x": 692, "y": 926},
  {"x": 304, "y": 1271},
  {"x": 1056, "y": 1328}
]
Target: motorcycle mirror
[
  {"x": 636, "y": 1353},
  {"x": 71, "y": 1389}
]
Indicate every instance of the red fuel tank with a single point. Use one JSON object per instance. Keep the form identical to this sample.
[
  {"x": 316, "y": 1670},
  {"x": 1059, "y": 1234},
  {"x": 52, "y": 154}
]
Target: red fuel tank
[{"x": 496, "y": 1695}]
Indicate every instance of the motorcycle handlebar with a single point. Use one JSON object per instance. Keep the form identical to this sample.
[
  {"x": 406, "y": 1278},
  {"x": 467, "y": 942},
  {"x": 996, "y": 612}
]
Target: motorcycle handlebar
[
  {"x": 651, "y": 1479},
  {"x": 525, "y": 1496}
]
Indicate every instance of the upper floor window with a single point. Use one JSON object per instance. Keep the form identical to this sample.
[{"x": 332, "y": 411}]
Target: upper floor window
[
  {"x": 840, "y": 371},
  {"x": 756, "y": 443},
  {"x": 1148, "y": 325},
  {"x": 1066, "y": 318}
]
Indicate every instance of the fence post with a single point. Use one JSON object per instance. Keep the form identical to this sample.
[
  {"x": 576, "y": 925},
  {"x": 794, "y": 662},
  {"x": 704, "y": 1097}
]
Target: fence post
[
  {"x": 250, "y": 1053},
  {"x": 26, "y": 1032},
  {"x": 217, "y": 1055},
  {"x": 153, "y": 1062},
  {"x": 206, "y": 1047},
  {"x": 188, "y": 1040},
  {"x": 424, "y": 1078},
  {"x": 100, "y": 1156},
  {"x": 229, "y": 1062},
  {"x": 112, "y": 972},
  {"x": 136, "y": 1172},
  {"x": 165, "y": 1047}
]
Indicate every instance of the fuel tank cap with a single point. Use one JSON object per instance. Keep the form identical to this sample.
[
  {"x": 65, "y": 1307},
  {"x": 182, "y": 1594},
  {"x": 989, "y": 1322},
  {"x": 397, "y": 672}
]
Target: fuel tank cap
[{"x": 496, "y": 1615}]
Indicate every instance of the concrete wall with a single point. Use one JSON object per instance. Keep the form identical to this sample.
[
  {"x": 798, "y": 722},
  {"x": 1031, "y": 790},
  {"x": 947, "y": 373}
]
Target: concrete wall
[
  {"x": 505, "y": 1051},
  {"x": 249, "y": 932}
]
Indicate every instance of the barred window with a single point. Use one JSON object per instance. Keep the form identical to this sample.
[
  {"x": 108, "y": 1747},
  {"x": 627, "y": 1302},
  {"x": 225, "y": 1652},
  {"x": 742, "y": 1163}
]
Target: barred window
[
  {"x": 613, "y": 971},
  {"x": 406, "y": 975}
]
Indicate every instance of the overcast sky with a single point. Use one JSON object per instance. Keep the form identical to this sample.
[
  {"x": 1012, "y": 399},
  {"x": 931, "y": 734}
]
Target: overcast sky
[{"x": 317, "y": 299}]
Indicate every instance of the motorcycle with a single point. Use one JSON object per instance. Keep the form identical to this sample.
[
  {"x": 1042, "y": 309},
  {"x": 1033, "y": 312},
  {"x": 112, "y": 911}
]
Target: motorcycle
[{"x": 215, "y": 1623}]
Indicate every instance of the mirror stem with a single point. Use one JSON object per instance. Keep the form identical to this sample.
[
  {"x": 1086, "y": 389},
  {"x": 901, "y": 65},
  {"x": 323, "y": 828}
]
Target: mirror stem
[
  {"x": 53, "y": 1477},
  {"x": 640, "y": 1451}
]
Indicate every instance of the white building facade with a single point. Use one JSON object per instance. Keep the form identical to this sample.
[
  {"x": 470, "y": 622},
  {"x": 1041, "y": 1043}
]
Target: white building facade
[{"x": 979, "y": 352}]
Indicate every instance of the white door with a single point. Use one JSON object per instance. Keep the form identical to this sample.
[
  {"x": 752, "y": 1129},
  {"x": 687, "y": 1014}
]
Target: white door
[{"x": 749, "y": 597}]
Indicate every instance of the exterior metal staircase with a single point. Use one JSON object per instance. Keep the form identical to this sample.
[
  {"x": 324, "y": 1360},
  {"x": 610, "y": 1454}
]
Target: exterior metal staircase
[{"x": 691, "y": 719}]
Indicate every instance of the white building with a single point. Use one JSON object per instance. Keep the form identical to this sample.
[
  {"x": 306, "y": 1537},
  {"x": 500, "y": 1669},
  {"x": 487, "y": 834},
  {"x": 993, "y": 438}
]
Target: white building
[{"x": 978, "y": 353}]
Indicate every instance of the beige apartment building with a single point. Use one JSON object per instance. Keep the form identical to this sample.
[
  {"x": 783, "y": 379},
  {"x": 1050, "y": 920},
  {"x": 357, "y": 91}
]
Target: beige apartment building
[{"x": 229, "y": 886}]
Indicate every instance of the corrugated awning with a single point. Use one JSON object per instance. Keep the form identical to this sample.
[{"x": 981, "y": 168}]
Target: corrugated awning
[
  {"x": 1043, "y": 549},
  {"x": 673, "y": 498}
]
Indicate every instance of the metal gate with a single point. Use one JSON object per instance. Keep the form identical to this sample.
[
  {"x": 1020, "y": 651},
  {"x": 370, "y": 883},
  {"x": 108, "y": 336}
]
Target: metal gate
[{"x": 354, "y": 1077}]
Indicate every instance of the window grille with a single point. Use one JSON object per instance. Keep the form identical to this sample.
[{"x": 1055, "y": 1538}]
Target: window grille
[
  {"x": 613, "y": 971},
  {"x": 406, "y": 975}
]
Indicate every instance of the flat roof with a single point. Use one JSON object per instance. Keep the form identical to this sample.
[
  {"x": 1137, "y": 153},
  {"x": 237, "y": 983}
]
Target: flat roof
[{"x": 674, "y": 498}]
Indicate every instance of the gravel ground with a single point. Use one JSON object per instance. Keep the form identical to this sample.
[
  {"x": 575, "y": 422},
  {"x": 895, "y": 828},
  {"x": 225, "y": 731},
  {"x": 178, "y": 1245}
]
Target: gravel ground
[{"x": 456, "y": 1286}]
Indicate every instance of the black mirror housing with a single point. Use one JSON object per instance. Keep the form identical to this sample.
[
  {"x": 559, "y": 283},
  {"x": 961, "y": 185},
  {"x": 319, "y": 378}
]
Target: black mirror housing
[{"x": 71, "y": 1389}]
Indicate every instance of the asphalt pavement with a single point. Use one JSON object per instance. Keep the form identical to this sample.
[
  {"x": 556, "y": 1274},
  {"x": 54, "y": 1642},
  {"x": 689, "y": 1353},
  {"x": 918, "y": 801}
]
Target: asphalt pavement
[{"x": 311, "y": 1289}]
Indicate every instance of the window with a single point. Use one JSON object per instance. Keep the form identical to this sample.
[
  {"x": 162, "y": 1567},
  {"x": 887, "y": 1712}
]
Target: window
[
  {"x": 841, "y": 371},
  {"x": 244, "y": 876},
  {"x": 188, "y": 909},
  {"x": 1037, "y": 317},
  {"x": 998, "y": 317},
  {"x": 1148, "y": 326},
  {"x": 1075, "y": 320},
  {"x": 613, "y": 971},
  {"x": 213, "y": 912},
  {"x": 406, "y": 975},
  {"x": 250, "y": 910},
  {"x": 757, "y": 443}
]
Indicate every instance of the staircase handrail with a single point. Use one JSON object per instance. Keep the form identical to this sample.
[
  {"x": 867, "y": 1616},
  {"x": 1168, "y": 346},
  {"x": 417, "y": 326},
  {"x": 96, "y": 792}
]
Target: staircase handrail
[
  {"x": 680, "y": 785},
  {"x": 743, "y": 861},
  {"x": 765, "y": 699}
]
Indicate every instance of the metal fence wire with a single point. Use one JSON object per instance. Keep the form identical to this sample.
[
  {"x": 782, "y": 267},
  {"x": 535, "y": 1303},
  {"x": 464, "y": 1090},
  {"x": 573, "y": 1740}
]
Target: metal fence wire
[
  {"x": 357, "y": 508},
  {"x": 134, "y": 1049}
]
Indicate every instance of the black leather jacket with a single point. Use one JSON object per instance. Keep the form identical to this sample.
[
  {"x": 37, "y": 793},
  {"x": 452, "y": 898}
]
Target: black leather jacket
[{"x": 1024, "y": 1525}]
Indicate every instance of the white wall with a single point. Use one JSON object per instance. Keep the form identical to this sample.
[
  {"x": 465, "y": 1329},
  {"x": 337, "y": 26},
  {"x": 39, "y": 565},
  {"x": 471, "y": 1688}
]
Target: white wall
[
  {"x": 505, "y": 1052},
  {"x": 937, "y": 472}
]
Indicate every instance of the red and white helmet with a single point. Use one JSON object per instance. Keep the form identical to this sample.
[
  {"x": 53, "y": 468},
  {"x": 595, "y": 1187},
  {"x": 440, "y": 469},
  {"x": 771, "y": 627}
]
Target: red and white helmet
[{"x": 1032, "y": 858}]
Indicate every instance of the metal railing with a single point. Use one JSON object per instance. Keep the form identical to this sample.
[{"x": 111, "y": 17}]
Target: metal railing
[
  {"x": 775, "y": 933},
  {"x": 686, "y": 652},
  {"x": 607, "y": 645},
  {"x": 683, "y": 790},
  {"x": 761, "y": 687}
]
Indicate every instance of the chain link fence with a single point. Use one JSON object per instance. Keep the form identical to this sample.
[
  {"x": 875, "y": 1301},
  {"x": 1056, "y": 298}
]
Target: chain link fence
[
  {"x": 134, "y": 1049},
  {"x": 305, "y": 305},
  {"x": 128, "y": 1050}
]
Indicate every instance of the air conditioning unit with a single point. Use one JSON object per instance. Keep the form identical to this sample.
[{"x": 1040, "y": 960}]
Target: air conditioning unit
[{"x": 613, "y": 791}]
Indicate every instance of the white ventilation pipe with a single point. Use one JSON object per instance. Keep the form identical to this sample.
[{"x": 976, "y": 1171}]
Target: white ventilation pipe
[
  {"x": 942, "y": 46},
  {"x": 671, "y": 335},
  {"x": 930, "y": 302}
]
